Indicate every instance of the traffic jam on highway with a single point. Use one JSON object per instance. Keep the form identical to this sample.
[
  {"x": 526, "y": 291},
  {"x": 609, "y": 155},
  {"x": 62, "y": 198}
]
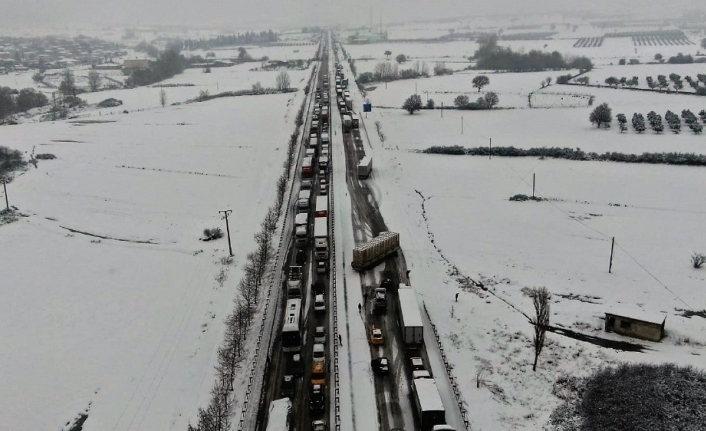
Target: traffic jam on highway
[{"x": 300, "y": 390}]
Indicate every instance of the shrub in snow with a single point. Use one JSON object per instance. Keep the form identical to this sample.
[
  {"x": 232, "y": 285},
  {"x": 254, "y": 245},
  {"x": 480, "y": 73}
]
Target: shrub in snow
[
  {"x": 45, "y": 156},
  {"x": 698, "y": 259},
  {"x": 214, "y": 233},
  {"x": 109, "y": 103},
  {"x": 522, "y": 198}
]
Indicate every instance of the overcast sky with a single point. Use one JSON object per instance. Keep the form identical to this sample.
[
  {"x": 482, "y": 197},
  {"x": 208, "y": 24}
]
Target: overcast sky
[{"x": 279, "y": 13}]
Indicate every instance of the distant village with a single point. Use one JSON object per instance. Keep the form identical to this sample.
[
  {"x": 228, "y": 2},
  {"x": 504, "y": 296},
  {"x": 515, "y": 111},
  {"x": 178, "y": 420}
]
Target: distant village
[{"x": 21, "y": 54}]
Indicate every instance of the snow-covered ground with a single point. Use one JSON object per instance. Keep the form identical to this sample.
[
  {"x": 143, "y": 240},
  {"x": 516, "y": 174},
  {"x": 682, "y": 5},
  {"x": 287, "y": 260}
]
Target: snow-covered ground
[
  {"x": 127, "y": 328},
  {"x": 455, "y": 219}
]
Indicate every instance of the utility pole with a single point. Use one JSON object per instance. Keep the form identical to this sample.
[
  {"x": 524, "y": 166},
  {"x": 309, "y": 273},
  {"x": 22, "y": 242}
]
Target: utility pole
[
  {"x": 490, "y": 149},
  {"x": 442, "y": 109},
  {"x": 7, "y": 202},
  {"x": 462, "y": 124},
  {"x": 533, "y": 182},
  {"x": 225, "y": 213},
  {"x": 612, "y": 245},
  {"x": 415, "y": 89}
]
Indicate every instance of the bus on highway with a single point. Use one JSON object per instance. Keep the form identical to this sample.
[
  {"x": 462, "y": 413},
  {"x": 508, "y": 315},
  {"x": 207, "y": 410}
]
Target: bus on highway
[
  {"x": 291, "y": 330},
  {"x": 278, "y": 418}
]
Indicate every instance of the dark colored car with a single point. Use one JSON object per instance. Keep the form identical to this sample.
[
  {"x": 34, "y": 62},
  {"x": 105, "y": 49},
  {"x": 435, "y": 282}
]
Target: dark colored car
[
  {"x": 301, "y": 256},
  {"x": 288, "y": 386},
  {"x": 317, "y": 403},
  {"x": 381, "y": 366},
  {"x": 296, "y": 368}
]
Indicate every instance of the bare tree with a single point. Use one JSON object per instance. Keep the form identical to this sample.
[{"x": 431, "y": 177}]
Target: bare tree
[
  {"x": 283, "y": 81},
  {"x": 540, "y": 298},
  {"x": 490, "y": 99},
  {"x": 163, "y": 97},
  {"x": 482, "y": 371},
  {"x": 698, "y": 259},
  {"x": 94, "y": 80},
  {"x": 67, "y": 87}
]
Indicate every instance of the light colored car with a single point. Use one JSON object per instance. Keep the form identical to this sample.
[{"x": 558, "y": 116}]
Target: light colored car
[
  {"x": 323, "y": 189},
  {"x": 416, "y": 363},
  {"x": 318, "y": 425},
  {"x": 376, "y": 336},
  {"x": 307, "y": 185},
  {"x": 320, "y": 335},
  {"x": 318, "y": 353},
  {"x": 319, "y": 304}
]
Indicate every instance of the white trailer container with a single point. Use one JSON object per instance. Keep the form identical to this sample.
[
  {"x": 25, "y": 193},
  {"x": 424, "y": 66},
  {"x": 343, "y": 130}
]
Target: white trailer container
[
  {"x": 376, "y": 249},
  {"x": 346, "y": 122},
  {"x": 321, "y": 238},
  {"x": 410, "y": 317},
  {"x": 365, "y": 167}
]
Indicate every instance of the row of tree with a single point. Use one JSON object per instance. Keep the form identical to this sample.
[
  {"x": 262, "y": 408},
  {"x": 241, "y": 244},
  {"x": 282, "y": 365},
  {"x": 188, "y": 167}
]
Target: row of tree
[
  {"x": 387, "y": 71},
  {"x": 656, "y": 124},
  {"x": 217, "y": 415},
  {"x": 490, "y": 56},
  {"x": 246, "y": 38},
  {"x": 681, "y": 159},
  {"x": 487, "y": 101}
]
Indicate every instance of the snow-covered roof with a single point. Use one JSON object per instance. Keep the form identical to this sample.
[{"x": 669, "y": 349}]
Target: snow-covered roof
[
  {"x": 429, "y": 398},
  {"x": 637, "y": 313}
]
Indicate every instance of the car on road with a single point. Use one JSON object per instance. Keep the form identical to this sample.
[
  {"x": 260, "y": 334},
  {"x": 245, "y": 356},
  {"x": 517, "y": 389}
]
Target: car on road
[
  {"x": 417, "y": 363},
  {"x": 301, "y": 256},
  {"x": 381, "y": 366},
  {"x": 323, "y": 189},
  {"x": 376, "y": 336},
  {"x": 317, "y": 403},
  {"x": 296, "y": 368},
  {"x": 288, "y": 386},
  {"x": 320, "y": 335},
  {"x": 315, "y": 117},
  {"x": 321, "y": 267},
  {"x": 307, "y": 185},
  {"x": 318, "y": 425},
  {"x": 318, "y": 353},
  {"x": 322, "y": 179},
  {"x": 319, "y": 304}
]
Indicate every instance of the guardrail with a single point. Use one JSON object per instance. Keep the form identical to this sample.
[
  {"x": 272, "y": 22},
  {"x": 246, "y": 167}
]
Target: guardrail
[
  {"x": 258, "y": 373},
  {"x": 336, "y": 344},
  {"x": 449, "y": 373}
]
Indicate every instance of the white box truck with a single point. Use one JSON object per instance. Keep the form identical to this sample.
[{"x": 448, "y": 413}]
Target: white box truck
[
  {"x": 321, "y": 238},
  {"x": 410, "y": 317},
  {"x": 365, "y": 167}
]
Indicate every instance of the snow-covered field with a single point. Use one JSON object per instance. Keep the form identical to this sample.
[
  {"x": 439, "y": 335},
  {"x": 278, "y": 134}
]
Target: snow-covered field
[
  {"x": 455, "y": 219},
  {"x": 563, "y": 244},
  {"x": 127, "y": 328}
]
